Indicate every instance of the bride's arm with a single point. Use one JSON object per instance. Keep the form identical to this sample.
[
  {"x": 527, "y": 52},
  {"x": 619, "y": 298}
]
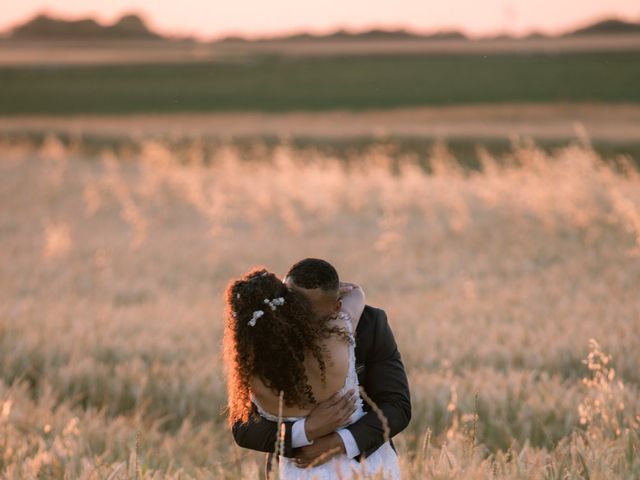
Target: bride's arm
[{"x": 353, "y": 299}]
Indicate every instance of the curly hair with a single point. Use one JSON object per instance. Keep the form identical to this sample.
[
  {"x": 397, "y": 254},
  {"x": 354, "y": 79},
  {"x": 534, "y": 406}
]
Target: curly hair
[{"x": 273, "y": 346}]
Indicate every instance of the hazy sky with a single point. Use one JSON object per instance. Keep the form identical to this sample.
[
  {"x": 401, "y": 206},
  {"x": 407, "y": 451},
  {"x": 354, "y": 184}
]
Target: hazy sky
[{"x": 208, "y": 19}]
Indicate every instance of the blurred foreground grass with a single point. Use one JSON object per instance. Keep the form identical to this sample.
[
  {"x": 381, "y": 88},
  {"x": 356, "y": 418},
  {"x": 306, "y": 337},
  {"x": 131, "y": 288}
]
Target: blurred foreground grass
[
  {"x": 494, "y": 280},
  {"x": 397, "y": 149}
]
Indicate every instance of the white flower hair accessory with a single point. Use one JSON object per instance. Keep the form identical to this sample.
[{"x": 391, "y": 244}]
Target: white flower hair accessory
[
  {"x": 273, "y": 304},
  {"x": 256, "y": 315}
]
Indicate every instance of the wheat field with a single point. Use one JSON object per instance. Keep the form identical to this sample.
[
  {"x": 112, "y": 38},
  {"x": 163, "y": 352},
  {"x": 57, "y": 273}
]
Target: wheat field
[{"x": 513, "y": 292}]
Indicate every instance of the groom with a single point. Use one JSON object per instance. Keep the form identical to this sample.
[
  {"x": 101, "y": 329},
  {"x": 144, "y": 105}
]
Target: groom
[{"x": 380, "y": 372}]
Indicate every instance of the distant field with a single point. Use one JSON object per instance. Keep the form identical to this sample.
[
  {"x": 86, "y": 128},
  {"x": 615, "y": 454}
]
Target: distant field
[
  {"x": 113, "y": 52},
  {"x": 602, "y": 122},
  {"x": 400, "y": 134},
  {"x": 281, "y": 83}
]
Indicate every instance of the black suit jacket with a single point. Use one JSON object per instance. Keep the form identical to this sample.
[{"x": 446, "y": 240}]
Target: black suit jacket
[{"x": 381, "y": 374}]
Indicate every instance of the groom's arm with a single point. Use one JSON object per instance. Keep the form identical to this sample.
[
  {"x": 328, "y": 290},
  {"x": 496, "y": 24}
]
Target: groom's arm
[
  {"x": 386, "y": 384},
  {"x": 260, "y": 434}
]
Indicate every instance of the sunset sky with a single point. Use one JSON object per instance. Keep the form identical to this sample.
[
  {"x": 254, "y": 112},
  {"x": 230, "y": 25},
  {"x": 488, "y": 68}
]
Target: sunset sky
[{"x": 211, "y": 19}]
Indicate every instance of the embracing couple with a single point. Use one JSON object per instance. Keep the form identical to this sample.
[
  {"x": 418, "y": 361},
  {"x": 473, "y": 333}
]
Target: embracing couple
[{"x": 298, "y": 350}]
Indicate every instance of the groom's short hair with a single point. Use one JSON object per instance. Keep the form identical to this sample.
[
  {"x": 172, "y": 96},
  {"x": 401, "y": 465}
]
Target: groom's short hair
[{"x": 314, "y": 273}]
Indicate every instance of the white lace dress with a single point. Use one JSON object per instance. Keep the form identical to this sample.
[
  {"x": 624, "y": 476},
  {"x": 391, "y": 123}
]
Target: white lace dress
[{"x": 384, "y": 459}]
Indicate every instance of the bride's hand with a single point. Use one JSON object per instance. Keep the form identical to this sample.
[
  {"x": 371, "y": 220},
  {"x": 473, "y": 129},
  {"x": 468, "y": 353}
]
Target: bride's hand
[
  {"x": 346, "y": 287},
  {"x": 330, "y": 415}
]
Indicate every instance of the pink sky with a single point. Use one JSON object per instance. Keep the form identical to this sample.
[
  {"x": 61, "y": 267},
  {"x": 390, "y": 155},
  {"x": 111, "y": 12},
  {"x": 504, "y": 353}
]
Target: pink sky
[{"x": 208, "y": 19}]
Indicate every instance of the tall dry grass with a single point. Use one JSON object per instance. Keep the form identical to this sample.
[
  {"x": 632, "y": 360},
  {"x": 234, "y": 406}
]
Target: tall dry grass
[{"x": 113, "y": 268}]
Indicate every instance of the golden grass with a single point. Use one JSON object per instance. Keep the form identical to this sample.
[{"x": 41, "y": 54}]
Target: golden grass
[{"x": 113, "y": 269}]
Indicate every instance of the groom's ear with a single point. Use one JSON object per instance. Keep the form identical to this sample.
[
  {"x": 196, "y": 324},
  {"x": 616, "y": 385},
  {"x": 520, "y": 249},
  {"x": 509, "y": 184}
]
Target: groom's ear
[{"x": 338, "y": 305}]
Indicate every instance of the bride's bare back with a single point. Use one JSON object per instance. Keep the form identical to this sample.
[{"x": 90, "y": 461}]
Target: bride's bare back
[{"x": 336, "y": 364}]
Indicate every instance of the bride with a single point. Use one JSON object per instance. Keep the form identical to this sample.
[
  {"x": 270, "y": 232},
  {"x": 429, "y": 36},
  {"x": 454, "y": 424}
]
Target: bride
[{"x": 281, "y": 357}]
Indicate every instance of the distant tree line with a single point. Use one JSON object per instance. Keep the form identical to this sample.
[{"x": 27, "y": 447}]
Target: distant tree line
[{"x": 132, "y": 26}]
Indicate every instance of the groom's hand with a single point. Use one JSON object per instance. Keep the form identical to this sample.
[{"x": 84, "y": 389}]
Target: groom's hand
[
  {"x": 330, "y": 415},
  {"x": 320, "y": 451}
]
